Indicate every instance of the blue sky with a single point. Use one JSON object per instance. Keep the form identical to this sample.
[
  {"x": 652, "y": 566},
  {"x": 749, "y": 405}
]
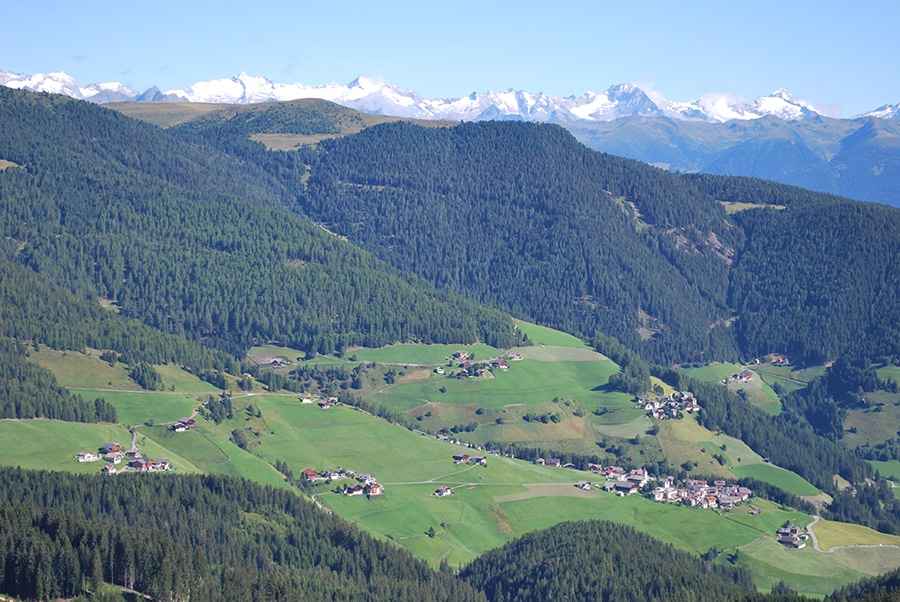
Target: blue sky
[{"x": 842, "y": 56}]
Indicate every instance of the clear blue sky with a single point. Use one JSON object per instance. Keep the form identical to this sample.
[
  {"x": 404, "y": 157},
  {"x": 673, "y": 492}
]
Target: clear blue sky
[{"x": 840, "y": 55}]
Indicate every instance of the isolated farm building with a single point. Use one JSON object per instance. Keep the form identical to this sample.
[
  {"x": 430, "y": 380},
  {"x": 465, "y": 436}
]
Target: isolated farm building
[
  {"x": 110, "y": 447},
  {"x": 443, "y": 491},
  {"x": 439, "y": 370},
  {"x": 584, "y": 485},
  {"x": 86, "y": 457},
  {"x": 459, "y": 458}
]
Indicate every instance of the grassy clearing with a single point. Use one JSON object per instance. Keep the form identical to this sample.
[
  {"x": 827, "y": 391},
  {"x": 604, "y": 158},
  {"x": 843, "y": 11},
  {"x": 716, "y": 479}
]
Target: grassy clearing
[
  {"x": 174, "y": 376},
  {"x": 52, "y": 445},
  {"x": 787, "y": 480},
  {"x": 87, "y": 371},
  {"x": 548, "y": 336},
  {"x": 873, "y": 425},
  {"x": 806, "y": 571},
  {"x": 138, "y": 408},
  {"x": 713, "y": 372},
  {"x": 832, "y": 534},
  {"x": 5, "y": 164},
  {"x": 890, "y": 469},
  {"x": 889, "y": 372},
  {"x": 735, "y": 207}
]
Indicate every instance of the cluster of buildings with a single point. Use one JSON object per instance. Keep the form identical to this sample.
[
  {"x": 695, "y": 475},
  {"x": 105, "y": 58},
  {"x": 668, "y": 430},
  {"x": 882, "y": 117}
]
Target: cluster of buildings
[
  {"x": 696, "y": 493},
  {"x": 668, "y": 406},
  {"x": 701, "y": 494},
  {"x": 744, "y": 376},
  {"x": 185, "y": 424},
  {"x": 462, "y": 458},
  {"x": 470, "y": 369},
  {"x": 792, "y": 536},
  {"x": 364, "y": 483},
  {"x": 113, "y": 456}
]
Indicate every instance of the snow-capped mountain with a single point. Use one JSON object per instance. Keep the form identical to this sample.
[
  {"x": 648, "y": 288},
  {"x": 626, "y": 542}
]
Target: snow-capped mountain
[
  {"x": 885, "y": 112},
  {"x": 62, "y": 83},
  {"x": 373, "y": 96}
]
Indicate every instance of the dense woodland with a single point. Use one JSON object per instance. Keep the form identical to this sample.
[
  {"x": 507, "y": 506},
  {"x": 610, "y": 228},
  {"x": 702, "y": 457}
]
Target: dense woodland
[
  {"x": 599, "y": 560},
  {"x": 187, "y": 240},
  {"x": 197, "y": 538}
]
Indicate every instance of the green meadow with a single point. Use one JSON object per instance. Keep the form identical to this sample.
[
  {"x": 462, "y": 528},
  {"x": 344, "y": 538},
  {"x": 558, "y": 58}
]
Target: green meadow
[
  {"x": 138, "y": 407},
  {"x": 550, "y": 337},
  {"x": 787, "y": 480},
  {"x": 527, "y": 382},
  {"x": 558, "y": 376},
  {"x": 757, "y": 391},
  {"x": 52, "y": 444}
]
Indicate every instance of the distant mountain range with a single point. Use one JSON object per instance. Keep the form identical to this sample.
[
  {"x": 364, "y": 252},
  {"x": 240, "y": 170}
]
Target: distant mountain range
[
  {"x": 777, "y": 137},
  {"x": 372, "y": 96}
]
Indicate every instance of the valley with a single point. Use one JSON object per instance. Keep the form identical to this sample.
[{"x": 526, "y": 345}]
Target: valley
[
  {"x": 261, "y": 317},
  {"x": 491, "y": 504}
]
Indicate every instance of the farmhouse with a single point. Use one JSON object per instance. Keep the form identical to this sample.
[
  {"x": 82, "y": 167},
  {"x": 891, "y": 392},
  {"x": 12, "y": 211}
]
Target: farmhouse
[
  {"x": 86, "y": 457},
  {"x": 184, "y": 424},
  {"x": 443, "y": 491},
  {"x": 355, "y": 489},
  {"x": 141, "y": 464},
  {"x": 626, "y": 488},
  {"x": 114, "y": 457},
  {"x": 583, "y": 485},
  {"x": 110, "y": 447},
  {"x": 374, "y": 489}
]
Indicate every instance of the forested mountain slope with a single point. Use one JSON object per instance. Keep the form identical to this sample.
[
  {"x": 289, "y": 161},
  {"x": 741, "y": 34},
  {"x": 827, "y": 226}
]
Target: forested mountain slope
[
  {"x": 191, "y": 537},
  {"x": 523, "y": 216},
  {"x": 193, "y": 242},
  {"x": 598, "y": 560}
]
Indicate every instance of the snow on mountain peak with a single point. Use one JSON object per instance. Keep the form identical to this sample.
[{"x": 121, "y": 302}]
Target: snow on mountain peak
[{"x": 374, "y": 95}]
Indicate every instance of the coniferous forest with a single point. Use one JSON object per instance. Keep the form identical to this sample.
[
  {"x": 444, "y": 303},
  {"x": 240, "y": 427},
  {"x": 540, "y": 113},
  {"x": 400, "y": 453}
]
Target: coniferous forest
[{"x": 202, "y": 243}]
